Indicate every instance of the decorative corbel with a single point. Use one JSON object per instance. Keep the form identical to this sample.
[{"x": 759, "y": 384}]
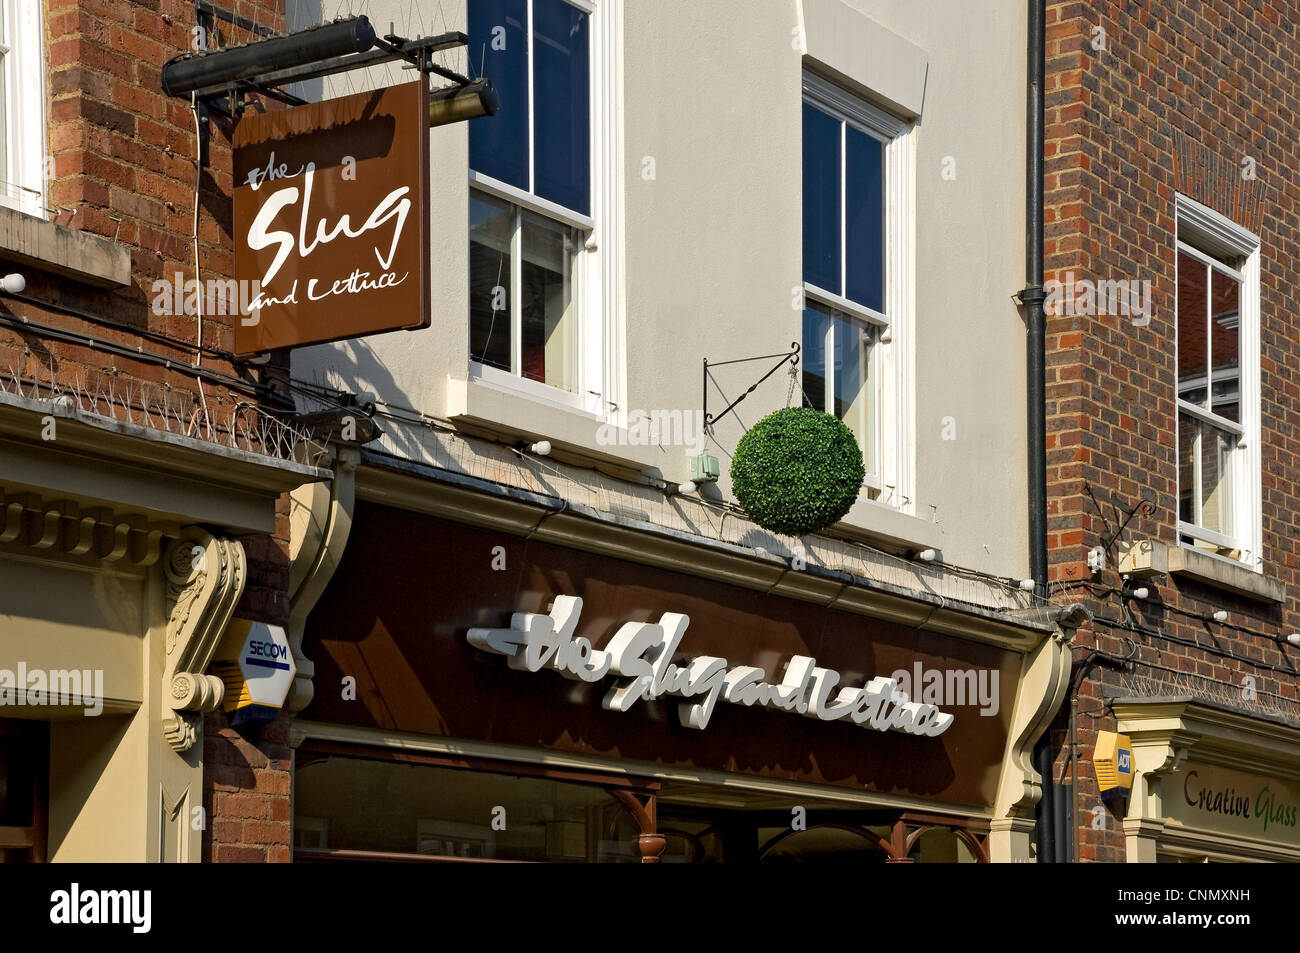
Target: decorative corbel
[
  {"x": 1155, "y": 754},
  {"x": 1044, "y": 682},
  {"x": 205, "y": 578},
  {"x": 320, "y": 520}
]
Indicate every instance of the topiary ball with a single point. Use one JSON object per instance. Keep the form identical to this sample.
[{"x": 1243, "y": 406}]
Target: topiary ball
[{"x": 797, "y": 471}]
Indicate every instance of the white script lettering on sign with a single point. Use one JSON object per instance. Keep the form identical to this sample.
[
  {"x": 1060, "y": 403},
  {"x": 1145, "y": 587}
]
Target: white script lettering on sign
[{"x": 642, "y": 653}]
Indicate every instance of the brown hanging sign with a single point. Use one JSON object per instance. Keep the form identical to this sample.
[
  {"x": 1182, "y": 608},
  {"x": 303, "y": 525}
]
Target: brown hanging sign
[{"x": 332, "y": 219}]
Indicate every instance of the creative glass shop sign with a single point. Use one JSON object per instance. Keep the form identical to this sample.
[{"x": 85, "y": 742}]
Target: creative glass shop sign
[
  {"x": 642, "y": 653},
  {"x": 331, "y": 218},
  {"x": 1215, "y": 798}
]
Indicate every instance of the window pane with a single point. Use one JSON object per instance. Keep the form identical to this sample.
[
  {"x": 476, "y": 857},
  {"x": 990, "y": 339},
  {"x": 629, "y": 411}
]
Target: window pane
[
  {"x": 864, "y": 211},
  {"x": 855, "y": 400},
  {"x": 5, "y": 187},
  {"x": 498, "y": 145},
  {"x": 548, "y": 302},
  {"x": 1192, "y": 345},
  {"x": 821, "y": 200},
  {"x": 446, "y": 812},
  {"x": 1216, "y": 479},
  {"x": 1187, "y": 430},
  {"x": 491, "y": 225},
  {"x": 560, "y": 124},
  {"x": 1225, "y": 392},
  {"x": 816, "y": 326}
]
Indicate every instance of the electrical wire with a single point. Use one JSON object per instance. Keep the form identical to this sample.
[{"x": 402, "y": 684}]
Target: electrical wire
[
  {"x": 1103, "y": 592},
  {"x": 198, "y": 283},
  {"x": 121, "y": 350},
  {"x": 1191, "y": 643},
  {"x": 159, "y": 337}
]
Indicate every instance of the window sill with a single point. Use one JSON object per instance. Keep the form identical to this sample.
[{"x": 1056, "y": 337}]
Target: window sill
[
  {"x": 889, "y": 528},
  {"x": 1148, "y": 557},
  {"x": 45, "y": 246},
  {"x": 504, "y": 412}
]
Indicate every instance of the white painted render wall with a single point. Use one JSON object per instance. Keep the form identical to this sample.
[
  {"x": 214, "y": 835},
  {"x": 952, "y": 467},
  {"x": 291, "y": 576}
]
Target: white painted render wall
[{"x": 711, "y": 247}]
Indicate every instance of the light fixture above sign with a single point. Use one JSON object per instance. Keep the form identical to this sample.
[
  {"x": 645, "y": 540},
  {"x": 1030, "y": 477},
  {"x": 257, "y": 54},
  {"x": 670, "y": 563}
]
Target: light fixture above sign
[{"x": 642, "y": 653}]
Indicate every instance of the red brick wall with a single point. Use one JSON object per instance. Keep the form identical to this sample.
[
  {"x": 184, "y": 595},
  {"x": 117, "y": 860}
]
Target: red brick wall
[
  {"x": 1179, "y": 95},
  {"x": 124, "y": 158},
  {"x": 246, "y": 793}
]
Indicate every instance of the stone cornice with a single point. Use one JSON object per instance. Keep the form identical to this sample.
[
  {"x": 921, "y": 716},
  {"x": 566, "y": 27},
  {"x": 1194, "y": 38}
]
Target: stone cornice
[
  {"x": 158, "y": 475},
  {"x": 1215, "y": 735}
]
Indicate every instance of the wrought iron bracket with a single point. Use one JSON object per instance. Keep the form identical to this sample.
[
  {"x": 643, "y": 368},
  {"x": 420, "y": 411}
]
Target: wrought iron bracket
[
  {"x": 1122, "y": 513},
  {"x": 792, "y": 357}
]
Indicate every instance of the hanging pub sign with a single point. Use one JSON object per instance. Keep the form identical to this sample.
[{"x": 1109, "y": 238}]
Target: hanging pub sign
[{"x": 331, "y": 218}]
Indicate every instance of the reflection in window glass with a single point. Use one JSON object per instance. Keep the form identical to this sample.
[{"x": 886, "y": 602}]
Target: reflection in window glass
[
  {"x": 1193, "y": 348},
  {"x": 548, "y": 301},
  {"x": 5, "y": 60},
  {"x": 1187, "y": 436},
  {"x": 561, "y": 167},
  {"x": 854, "y": 389},
  {"x": 400, "y": 808},
  {"x": 1209, "y": 378},
  {"x": 816, "y": 335},
  {"x": 1216, "y": 479},
  {"x": 864, "y": 228},
  {"x": 836, "y": 360},
  {"x": 498, "y": 49},
  {"x": 491, "y": 230},
  {"x": 821, "y": 199},
  {"x": 1225, "y": 348}
]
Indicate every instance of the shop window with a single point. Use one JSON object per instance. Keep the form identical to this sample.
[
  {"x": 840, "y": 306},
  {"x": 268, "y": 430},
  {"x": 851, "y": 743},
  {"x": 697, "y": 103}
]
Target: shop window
[
  {"x": 24, "y": 787},
  {"x": 350, "y": 808},
  {"x": 1217, "y": 311},
  {"x": 540, "y": 212},
  {"x": 360, "y": 804},
  {"x": 855, "y": 157},
  {"x": 22, "y": 107}
]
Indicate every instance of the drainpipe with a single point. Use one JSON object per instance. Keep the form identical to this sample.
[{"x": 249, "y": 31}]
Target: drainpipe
[
  {"x": 1033, "y": 297},
  {"x": 1036, "y": 430}
]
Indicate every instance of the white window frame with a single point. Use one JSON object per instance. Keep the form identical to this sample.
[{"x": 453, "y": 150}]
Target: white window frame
[
  {"x": 1203, "y": 234},
  {"x": 24, "y": 188},
  {"x": 599, "y": 383},
  {"x": 892, "y": 353}
]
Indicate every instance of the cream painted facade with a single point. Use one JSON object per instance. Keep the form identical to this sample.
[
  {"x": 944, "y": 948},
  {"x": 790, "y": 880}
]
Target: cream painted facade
[
  {"x": 704, "y": 259},
  {"x": 695, "y": 252},
  {"x": 120, "y": 558},
  {"x": 1185, "y": 749}
]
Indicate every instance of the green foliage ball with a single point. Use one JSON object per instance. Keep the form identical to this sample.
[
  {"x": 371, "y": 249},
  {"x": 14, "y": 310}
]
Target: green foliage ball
[{"x": 797, "y": 471}]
